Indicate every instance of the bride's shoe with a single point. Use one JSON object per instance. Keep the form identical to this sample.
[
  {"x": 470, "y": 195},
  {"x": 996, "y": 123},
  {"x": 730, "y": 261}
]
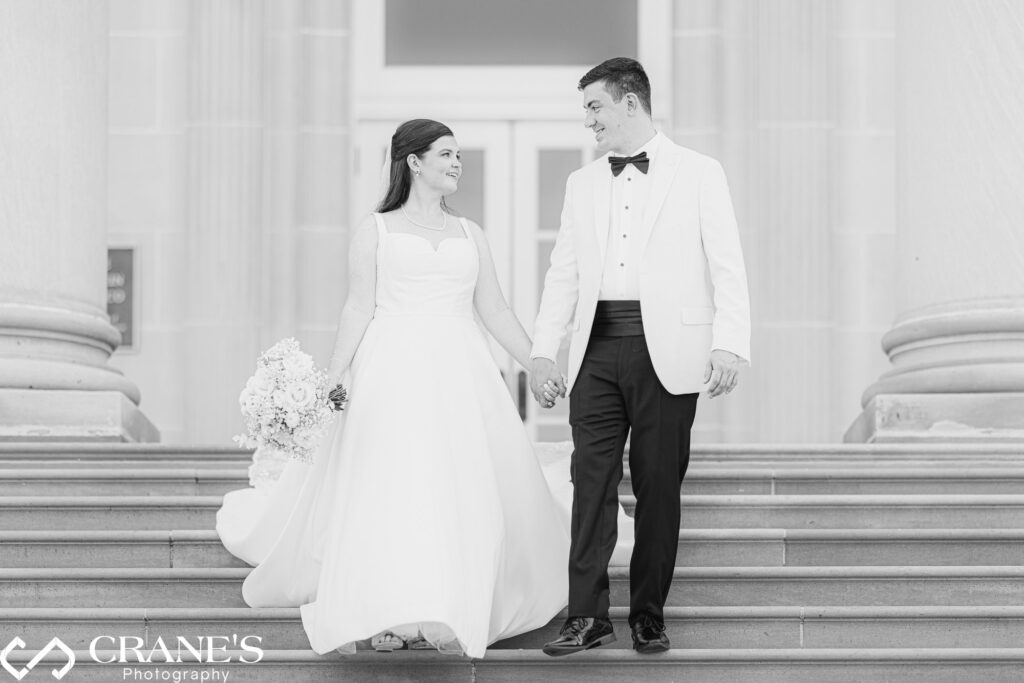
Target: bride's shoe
[{"x": 386, "y": 641}]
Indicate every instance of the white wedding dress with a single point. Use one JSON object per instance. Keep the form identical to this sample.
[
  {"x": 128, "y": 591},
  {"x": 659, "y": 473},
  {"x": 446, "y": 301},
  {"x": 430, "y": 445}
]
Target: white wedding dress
[{"x": 426, "y": 509}]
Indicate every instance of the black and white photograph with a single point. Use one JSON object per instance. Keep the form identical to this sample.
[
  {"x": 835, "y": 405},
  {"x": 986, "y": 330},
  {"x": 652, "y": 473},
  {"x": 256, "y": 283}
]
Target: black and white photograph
[{"x": 512, "y": 340}]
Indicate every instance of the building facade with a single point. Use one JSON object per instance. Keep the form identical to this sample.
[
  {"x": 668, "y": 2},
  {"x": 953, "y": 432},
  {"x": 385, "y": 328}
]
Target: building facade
[{"x": 245, "y": 138}]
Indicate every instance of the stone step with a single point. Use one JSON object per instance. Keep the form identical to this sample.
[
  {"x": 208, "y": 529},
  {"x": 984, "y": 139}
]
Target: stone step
[
  {"x": 818, "y": 480},
  {"x": 691, "y": 586},
  {"x": 171, "y": 481},
  {"x": 889, "y": 547},
  {"x": 108, "y": 512},
  {"x": 857, "y": 463},
  {"x": 603, "y": 665},
  {"x": 849, "y": 511},
  {"x": 824, "y": 466},
  {"x": 118, "y": 548},
  {"x": 13, "y": 453},
  {"x": 687, "y": 627},
  {"x": 100, "y": 463},
  {"x": 697, "y": 548},
  {"x": 736, "y": 450},
  {"x": 699, "y": 512},
  {"x": 811, "y": 627},
  {"x": 33, "y": 450},
  {"x": 807, "y": 480}
]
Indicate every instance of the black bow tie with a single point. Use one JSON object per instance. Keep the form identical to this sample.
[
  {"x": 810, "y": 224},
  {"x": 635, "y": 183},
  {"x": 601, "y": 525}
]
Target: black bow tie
[{"x": 640, "y": 161}]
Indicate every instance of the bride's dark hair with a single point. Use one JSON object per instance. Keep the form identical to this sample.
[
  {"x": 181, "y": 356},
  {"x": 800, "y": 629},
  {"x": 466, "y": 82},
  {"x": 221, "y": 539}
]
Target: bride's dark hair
[{"x": 412, "y": 137}]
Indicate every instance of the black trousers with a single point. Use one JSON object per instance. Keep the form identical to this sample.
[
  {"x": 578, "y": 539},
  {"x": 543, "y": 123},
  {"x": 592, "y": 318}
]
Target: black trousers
[{"x": 617, "y": 393}]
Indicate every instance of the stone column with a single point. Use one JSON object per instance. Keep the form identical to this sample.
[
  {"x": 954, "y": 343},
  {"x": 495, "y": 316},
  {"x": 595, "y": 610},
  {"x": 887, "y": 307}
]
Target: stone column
[
  {"x": 224, "y": 243},
  {"x": 864, "y": 203},
  {"x": 55, "y": 336},
  {"x": 763, "y": 107},
  {"x": 268, "y": 157},
  {"x": 957, "y": 346},
  {"x": 324, "y": 176}
]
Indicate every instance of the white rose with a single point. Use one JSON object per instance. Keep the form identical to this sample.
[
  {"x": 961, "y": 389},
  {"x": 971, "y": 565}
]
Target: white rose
[
  {"x": 260, "y": 383},
  {"x": 299, "y": 396},
  {"x": 292, "y": 419}
]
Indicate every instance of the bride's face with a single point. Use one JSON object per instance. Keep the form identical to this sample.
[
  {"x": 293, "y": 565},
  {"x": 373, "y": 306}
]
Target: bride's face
[{"x": 441, "y": 166}]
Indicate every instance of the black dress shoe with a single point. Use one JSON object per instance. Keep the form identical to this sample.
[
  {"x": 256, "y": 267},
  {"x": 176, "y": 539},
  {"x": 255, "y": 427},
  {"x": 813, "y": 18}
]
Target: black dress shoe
[
  {"x": 579, "y": 634},
  {"x": 649, "y": 635}
]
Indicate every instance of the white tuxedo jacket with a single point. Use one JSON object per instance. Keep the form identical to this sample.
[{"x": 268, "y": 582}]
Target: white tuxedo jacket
[{"x": 693, "y": 284}]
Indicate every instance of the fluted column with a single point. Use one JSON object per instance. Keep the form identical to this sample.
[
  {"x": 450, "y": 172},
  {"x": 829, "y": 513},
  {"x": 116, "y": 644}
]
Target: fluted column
[
  {"x": 55, "y": 336},
  {"x": 268, "y": 158},
  {"x": 322, "y": 216},
  {"x": 864, "y": 214},
  {"x": 224, "y": 225},
  {"x": 753, "y": 90},
  {"x": 957, "y": 346}
]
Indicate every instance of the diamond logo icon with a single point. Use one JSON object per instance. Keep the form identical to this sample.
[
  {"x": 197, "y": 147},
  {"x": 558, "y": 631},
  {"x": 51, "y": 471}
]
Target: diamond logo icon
[{"x": 19, "y": 644}]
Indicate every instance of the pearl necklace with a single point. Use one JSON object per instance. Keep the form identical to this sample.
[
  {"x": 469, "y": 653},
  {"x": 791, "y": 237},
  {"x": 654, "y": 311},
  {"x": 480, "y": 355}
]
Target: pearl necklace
[{"x": 428, "y": 227}]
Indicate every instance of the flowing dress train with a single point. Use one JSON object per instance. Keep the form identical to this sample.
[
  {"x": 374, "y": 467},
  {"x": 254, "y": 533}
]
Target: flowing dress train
[{"x": 426, "y": 510}]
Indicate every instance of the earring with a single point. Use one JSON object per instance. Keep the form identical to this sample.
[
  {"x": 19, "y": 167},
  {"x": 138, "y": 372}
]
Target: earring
[{"x": 417, "y": 171}]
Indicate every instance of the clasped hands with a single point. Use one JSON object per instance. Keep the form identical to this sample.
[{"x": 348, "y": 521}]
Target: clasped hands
[{"x": 546, "y": 382}]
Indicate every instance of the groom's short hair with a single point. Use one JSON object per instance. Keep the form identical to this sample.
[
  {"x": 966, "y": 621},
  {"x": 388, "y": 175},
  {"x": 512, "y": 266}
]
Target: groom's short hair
[{"x": 621, "y": 75}]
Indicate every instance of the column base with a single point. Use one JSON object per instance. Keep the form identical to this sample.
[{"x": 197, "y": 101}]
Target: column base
[
  {"x": 67, "y": 415},
  {"x": 967, "y": 417}
]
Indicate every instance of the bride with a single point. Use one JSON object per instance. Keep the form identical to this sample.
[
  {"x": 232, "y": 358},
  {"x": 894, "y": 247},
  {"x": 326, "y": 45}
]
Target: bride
[{"x": 426, "y": 519}]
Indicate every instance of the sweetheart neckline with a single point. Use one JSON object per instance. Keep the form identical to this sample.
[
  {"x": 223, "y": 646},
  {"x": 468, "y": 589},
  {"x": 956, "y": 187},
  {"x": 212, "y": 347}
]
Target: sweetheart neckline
[{"x": 428, "y": 242}]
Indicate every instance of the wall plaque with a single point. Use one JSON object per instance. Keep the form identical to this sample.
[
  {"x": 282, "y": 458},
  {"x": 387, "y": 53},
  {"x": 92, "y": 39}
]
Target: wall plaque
[{"x": 120, "y": 293}]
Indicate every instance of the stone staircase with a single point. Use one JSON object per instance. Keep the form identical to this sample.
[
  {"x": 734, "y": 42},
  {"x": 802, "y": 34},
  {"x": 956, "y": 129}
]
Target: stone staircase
[{"x": 809, "y": 563}]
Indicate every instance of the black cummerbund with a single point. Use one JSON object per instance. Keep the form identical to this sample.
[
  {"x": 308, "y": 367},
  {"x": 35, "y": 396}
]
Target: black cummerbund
[{"x": 617, "y": 319}]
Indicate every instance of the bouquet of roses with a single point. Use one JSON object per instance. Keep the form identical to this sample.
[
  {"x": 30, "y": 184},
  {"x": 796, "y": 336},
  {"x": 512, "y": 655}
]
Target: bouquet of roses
[{"x": 287, "y": 403}]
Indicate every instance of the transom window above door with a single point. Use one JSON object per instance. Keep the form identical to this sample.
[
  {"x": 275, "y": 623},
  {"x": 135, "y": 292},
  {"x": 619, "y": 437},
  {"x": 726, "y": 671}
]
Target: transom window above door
[
  {"x": 498, "y": 59},
  {"x": 503, "y": 32}
]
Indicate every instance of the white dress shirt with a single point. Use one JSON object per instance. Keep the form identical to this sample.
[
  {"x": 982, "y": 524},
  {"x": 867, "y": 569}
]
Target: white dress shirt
[{"x": 621, "y": 275}]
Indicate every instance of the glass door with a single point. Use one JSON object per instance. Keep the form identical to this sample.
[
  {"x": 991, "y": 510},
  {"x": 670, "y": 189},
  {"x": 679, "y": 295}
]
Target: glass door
[{"x": 545, "y": 155}]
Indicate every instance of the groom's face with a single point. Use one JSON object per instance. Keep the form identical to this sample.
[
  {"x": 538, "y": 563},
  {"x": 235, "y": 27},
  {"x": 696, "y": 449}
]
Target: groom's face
[{"x": 606, "y": 117}]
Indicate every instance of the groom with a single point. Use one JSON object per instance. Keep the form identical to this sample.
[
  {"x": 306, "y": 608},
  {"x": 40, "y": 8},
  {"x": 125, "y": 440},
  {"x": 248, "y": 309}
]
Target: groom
[{"x": 647, "y": 270}]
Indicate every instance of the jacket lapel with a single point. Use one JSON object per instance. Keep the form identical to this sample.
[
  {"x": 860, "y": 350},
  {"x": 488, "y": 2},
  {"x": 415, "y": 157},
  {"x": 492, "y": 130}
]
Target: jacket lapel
[{"x": 662, "y": 174}]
